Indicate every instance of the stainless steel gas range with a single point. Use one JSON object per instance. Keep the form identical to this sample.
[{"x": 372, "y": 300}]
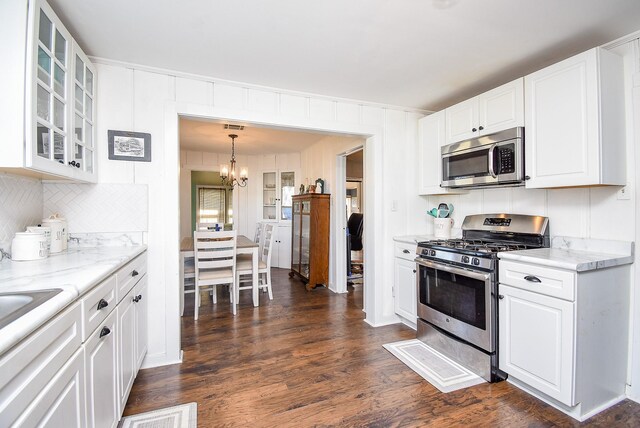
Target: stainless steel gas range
[{"x": 457, "y": 287}]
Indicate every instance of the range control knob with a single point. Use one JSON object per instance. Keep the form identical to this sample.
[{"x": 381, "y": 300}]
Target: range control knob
[
  {"x": 432, "y": 253},
  {"x": 476, "y": 261},
  {"x": 465, "y": 259}
]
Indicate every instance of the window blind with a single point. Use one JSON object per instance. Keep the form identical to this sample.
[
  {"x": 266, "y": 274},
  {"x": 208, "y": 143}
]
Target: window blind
[{"x": 211, "y": 205}]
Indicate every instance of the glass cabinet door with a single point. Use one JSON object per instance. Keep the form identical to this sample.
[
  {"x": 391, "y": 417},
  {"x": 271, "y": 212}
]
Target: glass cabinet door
[
  {"x": 295, "y": 241},
  {"x": 83, "y": 118},
  {"x": 287, "y": 190},
  {"x": 269, "y": 196},
  {"x": 304, "y": 243},
  {"x": 51, "y": 97}
]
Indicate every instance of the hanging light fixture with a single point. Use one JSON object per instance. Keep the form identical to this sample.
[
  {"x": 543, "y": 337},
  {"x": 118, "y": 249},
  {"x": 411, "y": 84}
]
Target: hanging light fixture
[{"x": 228, "y": 172}]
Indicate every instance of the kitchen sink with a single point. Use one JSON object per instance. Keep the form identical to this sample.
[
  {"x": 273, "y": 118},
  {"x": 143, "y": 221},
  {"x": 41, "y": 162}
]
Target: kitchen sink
[{"x": 14, "y": 305}]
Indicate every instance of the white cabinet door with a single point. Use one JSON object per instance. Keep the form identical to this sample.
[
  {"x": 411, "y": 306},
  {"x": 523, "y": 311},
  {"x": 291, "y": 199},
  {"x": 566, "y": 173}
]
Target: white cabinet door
[
  {"x": 62, "y": 401},
  {"x": 566, "y": 105},
  {"x": 537, "y": 341},
  {"x": 462, "y": 121},
  {"x": 431, "y": 139},
  {"x": 141, "y": 306},
  {"x": 48, "y": 93},
  {"x": 501, "y": 108},
  {"x": 282, "y": 247},
  {"x": 405, "y": 289},
  {"x": 101, "y": 362},
  {"x": 126, "y": 346}
]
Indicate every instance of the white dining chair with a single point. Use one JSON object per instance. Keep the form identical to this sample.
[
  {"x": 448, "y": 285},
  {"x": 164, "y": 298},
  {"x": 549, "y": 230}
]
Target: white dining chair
[
  {"x": 244, "y": 267},
  {"x": 215, "y": 264},
  {"x": 188, "y": 282}
]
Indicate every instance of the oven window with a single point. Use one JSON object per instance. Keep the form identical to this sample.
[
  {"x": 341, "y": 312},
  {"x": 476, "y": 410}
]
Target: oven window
[
  {"x": 455, "y": 295},
  {"x": 474, "y": 164}
]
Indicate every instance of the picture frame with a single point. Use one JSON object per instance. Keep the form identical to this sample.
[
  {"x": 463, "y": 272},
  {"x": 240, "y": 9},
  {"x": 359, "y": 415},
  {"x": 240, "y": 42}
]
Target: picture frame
[{"x": 129, "y": 146}]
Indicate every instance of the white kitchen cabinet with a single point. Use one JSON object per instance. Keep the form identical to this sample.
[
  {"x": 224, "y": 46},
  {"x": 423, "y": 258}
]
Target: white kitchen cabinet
[
  {"x": 28, "y": 370},
  {"x": 281, "y": 251},
  {"x": 563, "y": 334},
  {"x": 496, "y": 110},
  {"x": 39, "y": 116},
  {"x": 575, "y": 122},
  {"x": 431, "y": 133},
  {"x": 404, "y": 286},
  {"x": 62, "y": 402},
  {"x": 141, "y": 304},
  {"x": 101, "y": 362},
  {"x": 127, "y": 358},
  {"x": 277, "y": 189},
  {"x": 537, "y": 341}
]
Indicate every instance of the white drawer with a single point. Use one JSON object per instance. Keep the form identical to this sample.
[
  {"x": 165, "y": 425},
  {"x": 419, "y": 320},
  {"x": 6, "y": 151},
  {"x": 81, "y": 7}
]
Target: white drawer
[
  {"x": 97, "y": 305},
  {"x": 405, "y": 251},
  {"x": 548, "y": 281},
  {"x": 129, "y": 275},
  {"x": 29, "y": 366}
]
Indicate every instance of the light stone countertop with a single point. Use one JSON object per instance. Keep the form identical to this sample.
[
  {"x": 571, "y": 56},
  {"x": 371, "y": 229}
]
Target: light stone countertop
[
  {"x": 575, "y": 260},
  {"x": 75, "y": 271},
  {"x": 413, "y": 239}
]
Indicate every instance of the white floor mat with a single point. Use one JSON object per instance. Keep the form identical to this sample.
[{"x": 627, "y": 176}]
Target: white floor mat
[
  {"x": 440, "y": 371},
  {"x": 182, "y": 416}
]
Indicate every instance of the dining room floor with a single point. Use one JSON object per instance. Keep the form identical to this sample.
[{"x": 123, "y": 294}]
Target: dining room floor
[{"x": 308, "y": 359}]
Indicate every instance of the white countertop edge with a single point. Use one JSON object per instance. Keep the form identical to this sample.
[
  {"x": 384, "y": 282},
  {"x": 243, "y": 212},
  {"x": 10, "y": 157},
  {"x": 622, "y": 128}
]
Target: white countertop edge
[
  {"x": 576, "y": 260},
  {"x": 413, "y": 239},
  {"x": 74, "y": 281}
]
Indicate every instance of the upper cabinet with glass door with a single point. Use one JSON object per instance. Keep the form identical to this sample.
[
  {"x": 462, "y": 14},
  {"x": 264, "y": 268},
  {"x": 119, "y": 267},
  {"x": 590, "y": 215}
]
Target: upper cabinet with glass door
[
  {"x": 45, "y": 138},
  {"x": 278, "y": 187}
]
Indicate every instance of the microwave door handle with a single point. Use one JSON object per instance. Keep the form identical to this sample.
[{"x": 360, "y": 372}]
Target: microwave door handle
[{"x": 491, "y": 152}]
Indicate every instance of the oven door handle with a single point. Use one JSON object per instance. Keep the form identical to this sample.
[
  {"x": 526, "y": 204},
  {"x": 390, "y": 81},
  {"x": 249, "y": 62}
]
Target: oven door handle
[
  {"x": 452, "y": 269},
  {"x": 491, "y": 170}
]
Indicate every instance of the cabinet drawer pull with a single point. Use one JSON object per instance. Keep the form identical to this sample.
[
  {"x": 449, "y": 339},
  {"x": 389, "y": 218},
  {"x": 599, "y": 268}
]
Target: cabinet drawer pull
[
  {"x": 139, "y": 297},
  {"x": 406, "y": 251},
  {"x": 414, "y": 271},
  {"x": 480, "y": 128},
  {"x": 105, "y": 331},
  {"x": 473, "y": 129},
  {"x": 135, "y": 273},
  {"x": 532, "y": 278},
  {"x": 500, "y": 296},
  {"x": 102, "y": 304}
]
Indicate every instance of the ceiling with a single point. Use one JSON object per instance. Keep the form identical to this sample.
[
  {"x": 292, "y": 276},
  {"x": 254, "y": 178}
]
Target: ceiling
[
  {"x": 413, "y": 53},
  {"x": 211, "y": 136}
]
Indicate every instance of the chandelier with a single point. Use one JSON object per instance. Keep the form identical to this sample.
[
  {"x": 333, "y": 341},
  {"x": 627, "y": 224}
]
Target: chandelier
[{"x": 228, "y": 172}]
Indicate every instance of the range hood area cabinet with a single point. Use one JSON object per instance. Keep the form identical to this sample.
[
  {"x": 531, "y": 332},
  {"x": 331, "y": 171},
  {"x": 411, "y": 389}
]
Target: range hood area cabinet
[
  {"x": 48, "y": 87},
  {"x": 496, "y": 110},
  {"x": 431, "y": 137},
  {"x": 575, "y": 122}
]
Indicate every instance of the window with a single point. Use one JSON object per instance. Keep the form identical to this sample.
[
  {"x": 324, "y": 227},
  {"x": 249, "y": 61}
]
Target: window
[{"x": 211, "y": 206}]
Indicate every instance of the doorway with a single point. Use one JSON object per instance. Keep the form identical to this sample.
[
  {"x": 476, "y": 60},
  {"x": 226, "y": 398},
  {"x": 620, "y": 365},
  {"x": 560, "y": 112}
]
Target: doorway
[{"x": 354, "y": 203}]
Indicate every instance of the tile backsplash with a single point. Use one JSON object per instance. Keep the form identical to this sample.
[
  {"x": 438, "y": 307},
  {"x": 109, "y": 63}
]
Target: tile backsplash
[
  {"x": 103, "y": 208},
  {"x": 20, "y": 206}
]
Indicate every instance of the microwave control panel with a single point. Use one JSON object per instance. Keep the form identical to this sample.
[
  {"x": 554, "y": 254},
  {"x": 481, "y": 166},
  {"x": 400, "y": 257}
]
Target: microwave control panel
[{"x": 507, "y": 160}]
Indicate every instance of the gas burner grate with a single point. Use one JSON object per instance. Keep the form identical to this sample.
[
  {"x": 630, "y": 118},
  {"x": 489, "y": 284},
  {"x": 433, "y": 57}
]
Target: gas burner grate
[{"x": 476, "y": 245}]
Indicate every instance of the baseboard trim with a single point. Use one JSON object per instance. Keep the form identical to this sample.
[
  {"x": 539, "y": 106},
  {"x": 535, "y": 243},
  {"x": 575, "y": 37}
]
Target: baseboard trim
[{"x": 158, "y": 360}]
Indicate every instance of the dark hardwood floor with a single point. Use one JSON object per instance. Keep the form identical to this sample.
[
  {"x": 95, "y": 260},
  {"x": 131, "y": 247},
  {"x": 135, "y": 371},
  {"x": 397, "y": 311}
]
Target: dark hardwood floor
[{"x": 308, "y": 359}]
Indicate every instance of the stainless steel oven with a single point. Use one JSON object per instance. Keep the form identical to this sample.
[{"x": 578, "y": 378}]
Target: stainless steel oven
[
  {"x": 457, "y": 300},
  {"x": 456, "y": 285}
]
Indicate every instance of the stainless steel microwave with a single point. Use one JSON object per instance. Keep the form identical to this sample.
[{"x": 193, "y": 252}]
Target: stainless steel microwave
[{"x": 491, "y": 160}]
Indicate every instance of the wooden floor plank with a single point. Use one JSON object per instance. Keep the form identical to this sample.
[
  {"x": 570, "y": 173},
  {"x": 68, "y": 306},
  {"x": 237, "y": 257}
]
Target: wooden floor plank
[{"x": 309, "y": 359}]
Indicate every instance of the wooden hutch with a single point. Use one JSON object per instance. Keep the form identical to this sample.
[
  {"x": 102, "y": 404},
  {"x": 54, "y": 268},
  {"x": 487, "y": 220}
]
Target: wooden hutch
[{"x": 310, "y": 239}]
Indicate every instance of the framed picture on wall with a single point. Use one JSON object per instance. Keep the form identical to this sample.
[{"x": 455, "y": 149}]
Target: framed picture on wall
[{"x": 129, "y": 146}]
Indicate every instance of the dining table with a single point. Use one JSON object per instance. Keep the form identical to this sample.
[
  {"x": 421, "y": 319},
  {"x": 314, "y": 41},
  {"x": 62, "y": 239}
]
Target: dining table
[{"x": 244, "y": 245}]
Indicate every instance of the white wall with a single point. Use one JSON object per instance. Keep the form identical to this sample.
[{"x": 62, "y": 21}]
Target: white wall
[{"x": 141, "y": 99}]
